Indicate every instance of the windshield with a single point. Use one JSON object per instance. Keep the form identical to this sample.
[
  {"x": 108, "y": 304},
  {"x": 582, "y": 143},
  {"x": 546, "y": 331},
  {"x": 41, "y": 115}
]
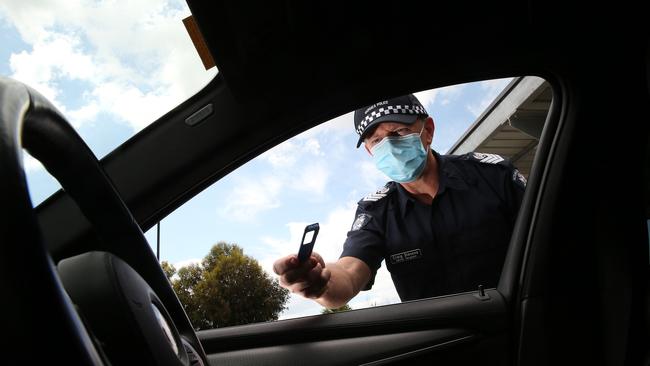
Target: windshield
[{"x": 111, "y": 67}]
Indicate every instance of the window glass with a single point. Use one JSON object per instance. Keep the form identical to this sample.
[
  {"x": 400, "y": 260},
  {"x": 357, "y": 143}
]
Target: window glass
[
  {"x": 102, "y": 64},
  {"x": 259, "y": 212}
]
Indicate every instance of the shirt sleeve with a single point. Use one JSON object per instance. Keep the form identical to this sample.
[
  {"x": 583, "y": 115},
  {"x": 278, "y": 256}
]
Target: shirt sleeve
[{"x": 365, "y": 241}]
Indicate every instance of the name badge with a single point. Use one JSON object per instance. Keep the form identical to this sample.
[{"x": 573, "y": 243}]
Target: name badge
[{"x": 409, "y": 255}]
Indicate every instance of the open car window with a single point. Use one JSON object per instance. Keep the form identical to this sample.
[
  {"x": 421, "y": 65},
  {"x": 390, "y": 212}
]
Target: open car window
[{"x": 235, "y": 229}]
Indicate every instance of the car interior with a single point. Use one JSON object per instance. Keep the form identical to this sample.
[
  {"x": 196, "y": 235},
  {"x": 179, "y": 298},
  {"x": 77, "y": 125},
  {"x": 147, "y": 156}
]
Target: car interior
[{"x": 574, "y": 286}]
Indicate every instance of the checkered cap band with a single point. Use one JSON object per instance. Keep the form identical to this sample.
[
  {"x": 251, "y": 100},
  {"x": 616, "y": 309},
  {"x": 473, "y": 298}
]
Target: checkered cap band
[{"x": 390, "y": 109}]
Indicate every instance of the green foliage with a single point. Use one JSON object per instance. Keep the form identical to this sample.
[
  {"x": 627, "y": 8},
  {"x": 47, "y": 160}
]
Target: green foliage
[
  {"x": 228, "y": 288},
  {"x": 345, "y": 307},
  {"x": 168, "y": 268}
]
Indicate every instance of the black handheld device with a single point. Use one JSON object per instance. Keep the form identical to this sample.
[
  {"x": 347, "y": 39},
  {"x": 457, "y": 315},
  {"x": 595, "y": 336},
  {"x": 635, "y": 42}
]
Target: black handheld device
[{"x": 307, "y": 242}]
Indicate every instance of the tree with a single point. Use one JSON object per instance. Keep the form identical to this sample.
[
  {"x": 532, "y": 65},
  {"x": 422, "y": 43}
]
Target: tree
[
  {"x": 168, "y": 268},
  {"x": 345, "y": 307},
  {"x": 228, "y": 288}
]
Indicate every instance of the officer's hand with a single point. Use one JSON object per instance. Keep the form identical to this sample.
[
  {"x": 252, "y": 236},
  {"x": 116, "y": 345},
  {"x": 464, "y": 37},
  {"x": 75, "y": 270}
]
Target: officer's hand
[{"x": 308, "y": 279}]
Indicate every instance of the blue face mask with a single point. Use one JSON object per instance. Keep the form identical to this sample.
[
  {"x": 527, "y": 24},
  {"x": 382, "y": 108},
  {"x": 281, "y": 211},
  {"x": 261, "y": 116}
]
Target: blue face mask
[{"x": 401, "y": 158}]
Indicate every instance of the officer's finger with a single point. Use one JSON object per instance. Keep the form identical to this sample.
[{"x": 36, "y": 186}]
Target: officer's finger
[
  {"x": 298, "y": 287},
  {"x": 319, "y": 286},
  {"x": 311, "y": 283},
  {"x": 314, "y": 276},
  {"x": 314, "y": 292},
  {"x": 318, "y": 258},
  {"x": 284, "y": 264},
  {"x": 290, "y": 277},
  {"x": 299, "y": 273},
  {"x": 284, "y": 283}
]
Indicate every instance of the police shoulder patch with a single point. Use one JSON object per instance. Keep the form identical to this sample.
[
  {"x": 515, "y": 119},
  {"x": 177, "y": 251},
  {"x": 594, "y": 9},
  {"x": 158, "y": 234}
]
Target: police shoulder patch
[
  {"x": 379, "y": 194},
  {"x": 360, "y": 221},
  {"x": 519, "y": 178}
]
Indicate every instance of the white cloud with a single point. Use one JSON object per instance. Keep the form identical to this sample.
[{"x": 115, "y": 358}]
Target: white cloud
[
  {"x": 312, "y": 146},
  {"x": 334, "y": 231},
  {"x": 51, "y": 58},
  {"x": 494, "y": 85},
  {"x": 135, "y": 57},
  {"x": 450, "y": 93},
  {"x": 286, "y": 154},
  {"x": 427, "y": 97},
  {"x": 31, "y": 18},
  {"x": 250, "y": 197},
  {"x": 84, "y": 114},
  {"x": 184, "y": 263},
  {"x": 312, "y": 179},
  {"x": 305, "y": 162},
  {"x": 131, "y": 104},
  {"x": 492, "y": 88},
  {"x": 313, "y": 172},
  {"x": 340, "y": 126},
  {"x": 373, "y": 179},
  {"x": 283, "y": 155},
  {"x": 444, "y": 95},
  {"x": 297, "y": 164},
  {"x": 187, "y": 262},
  {"x": 383, "y": 292}
]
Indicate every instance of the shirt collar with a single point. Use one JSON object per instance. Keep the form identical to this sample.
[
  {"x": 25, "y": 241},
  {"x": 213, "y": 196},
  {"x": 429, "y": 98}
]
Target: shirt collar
[{"x": 449, "y": 177}]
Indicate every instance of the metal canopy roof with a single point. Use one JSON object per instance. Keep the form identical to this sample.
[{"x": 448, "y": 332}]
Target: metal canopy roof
[{"x": 511, "y": 125}]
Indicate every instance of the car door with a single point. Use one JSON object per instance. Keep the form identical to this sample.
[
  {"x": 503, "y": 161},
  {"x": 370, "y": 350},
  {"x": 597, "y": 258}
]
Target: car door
[
  {"x": 574, "y": 276},
  {"x": 574, "y": 284}
]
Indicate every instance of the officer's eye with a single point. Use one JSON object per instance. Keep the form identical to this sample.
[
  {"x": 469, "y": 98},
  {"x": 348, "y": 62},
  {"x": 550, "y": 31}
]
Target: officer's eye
[{"x": 403, "y": 131}]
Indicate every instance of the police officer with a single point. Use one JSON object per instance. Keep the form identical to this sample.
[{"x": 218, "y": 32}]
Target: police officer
[{"x": 442, "y": 224}]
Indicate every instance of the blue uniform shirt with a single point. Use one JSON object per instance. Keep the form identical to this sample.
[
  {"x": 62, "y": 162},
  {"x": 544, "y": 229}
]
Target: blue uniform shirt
[{"x": 453, "y": 245}]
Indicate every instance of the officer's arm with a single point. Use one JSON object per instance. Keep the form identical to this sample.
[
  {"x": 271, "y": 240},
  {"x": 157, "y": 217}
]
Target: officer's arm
[
  {"x": 349, "y": 275},
  {"x": 331, "y": 285}
]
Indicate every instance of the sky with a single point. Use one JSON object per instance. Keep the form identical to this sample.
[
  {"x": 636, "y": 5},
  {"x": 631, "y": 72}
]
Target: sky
[{"x": 114, "y": 67}]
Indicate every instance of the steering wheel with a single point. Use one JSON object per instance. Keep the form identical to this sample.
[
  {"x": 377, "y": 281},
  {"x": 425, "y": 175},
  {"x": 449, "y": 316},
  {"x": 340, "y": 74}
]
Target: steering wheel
[{"x": 95, "y": 308}]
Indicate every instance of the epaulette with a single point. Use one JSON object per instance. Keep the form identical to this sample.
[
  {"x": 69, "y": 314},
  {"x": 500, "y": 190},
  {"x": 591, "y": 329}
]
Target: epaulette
[
  {"x": 380, "y": 193},
  {"x": 487, "y": 158},
  {"x": 495, "y": 159}
]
